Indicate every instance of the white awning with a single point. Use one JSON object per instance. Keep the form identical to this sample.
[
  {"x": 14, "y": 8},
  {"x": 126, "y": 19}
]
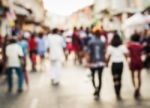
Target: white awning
[
  {"x": 20, "y": 10},
  {"x": 137, "y": 19},
  {"x": 65, "y": 7}
]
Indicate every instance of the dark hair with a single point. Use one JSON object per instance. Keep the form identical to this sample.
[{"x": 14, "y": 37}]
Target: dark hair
[
  {"x": 116, "y": 40},
  {"x": 87, "y": 30},
  {"x": 12, "y": 40},
  {"x": 97, "y": 33},
  {"x": 81, "y": 28},
  {"x": 40, "y": 35},
  {"x": 75, "y": 28},
  {"x": 32, "y": 36},
  {"x": 135, "y": 38},
  {"x": 55, "y": 31}
]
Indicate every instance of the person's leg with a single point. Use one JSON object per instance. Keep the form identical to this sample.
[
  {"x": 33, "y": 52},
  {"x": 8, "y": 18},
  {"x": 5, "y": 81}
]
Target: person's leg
[
  {"x": 76, "y": 57},
  {"x": 31, "y": 54},
  {"x": 1, "y": 69},
  {"x": 20, "y": 78},
  {"x": 133, "y": 78},
  {"x": 33, "y": 59},
  {"x": 9, "y": 79},
  {"x": 58, "y": 71},
  {"x": 80, "y": 57},
  {"x": 117, "y": 69},
  {"x": 53, "y": 68},
  {"x": 26, "y": 75},
  {"x": 137, "y": 90},
  {"x": 93, "y": 77},
  {"x": 100, "y": 70},
  {"x": 139, "y": 79}
]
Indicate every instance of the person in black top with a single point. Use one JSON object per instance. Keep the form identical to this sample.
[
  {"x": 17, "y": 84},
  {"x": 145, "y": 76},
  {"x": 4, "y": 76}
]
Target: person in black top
[
  {"x": 147, "y": 50},
  {"x": 96, "y": 60}
]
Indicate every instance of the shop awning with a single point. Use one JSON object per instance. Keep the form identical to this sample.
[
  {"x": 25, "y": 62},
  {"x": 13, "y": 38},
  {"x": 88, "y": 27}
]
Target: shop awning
[
  {"x": 20, "y": 10},
  {"x": 66, "y": 7}
]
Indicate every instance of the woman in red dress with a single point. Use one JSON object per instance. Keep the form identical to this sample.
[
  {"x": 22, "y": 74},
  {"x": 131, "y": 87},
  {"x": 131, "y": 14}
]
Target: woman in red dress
[
  {"x": 136, "y": 63},
  {"x": 33, "y": 51},
  {"x": 77, "y": 46}
]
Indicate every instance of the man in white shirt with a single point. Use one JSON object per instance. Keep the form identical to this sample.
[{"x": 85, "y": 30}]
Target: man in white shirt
[
  {"x": 14, "y": 56},
  {"x": 56, "y": 46}
]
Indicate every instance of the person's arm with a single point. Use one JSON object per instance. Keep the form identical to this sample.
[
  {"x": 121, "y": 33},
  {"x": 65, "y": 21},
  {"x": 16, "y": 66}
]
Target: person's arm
[
  {"x": 64, "y": 44},
  {"x": 21, "y": 55},
  {"x": 108, "y": 55},
  {"x": 126, "y": 52},
  {"x": 87, "y": 57},
  {"x": 6, "y": 54},
  {"x": 48, "y": 45}
]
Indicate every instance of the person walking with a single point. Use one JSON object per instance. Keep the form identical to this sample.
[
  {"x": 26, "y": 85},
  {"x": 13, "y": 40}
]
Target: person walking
[
  {"x": 147, "y": 50},
  {"x": 24, "y": 45},
  {"x": 136, "y": 63},
  {"x": 41, "y": 50},
  {"x": 96, "y": 60},
  {"x": 77, "y": 45},
  {"x": 33, "y": 51},
  {"x": 57, "y": 57},
  {"x": 2, "y": 65},
  {"x": 116, "y": 53},
  {"x": 14, "y": 56}
]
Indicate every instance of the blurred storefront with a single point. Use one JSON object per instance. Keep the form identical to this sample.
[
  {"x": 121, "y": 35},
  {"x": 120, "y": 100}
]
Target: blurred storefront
[{"x": 17, "y": 13}]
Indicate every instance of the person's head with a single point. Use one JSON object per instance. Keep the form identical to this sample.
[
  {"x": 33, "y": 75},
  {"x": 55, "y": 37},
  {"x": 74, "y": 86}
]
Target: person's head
[
  {"x": 20, "y": 37},
  {"x": 32, "y": 36},
  {"x": 61, "y": 31},
  {"x": 75, "y": 29},
  {"x": 97, "y": 33},
  {"x": 116, "y": 40},
  {"x": 1, "y": 39},
  {"x": 40, "y": 35},
  {"x": 81, "y": 28},
  {"x": 87, "y": 30},
  {"x": 135, "y": 38},
  {"x": 12, "y": 40},
  {"x": 102, "y": 28},
  {"x": 55, "y": 31}
]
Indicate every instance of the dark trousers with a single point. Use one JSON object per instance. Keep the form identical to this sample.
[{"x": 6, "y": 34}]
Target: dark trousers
[
  {"x": 117, "y": 69},
  {"x": 99, "y": 75},
  {"x": 10, "y": 79}
]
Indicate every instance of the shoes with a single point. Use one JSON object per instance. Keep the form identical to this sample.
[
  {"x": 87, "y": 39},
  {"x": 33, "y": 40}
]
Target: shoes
[
  {"x": 20, "y": 90},
  {"x": 119, "y": 98},
  {"x": 96, "y": 92},
  {"x": 96, "y": 95},
  {"x": 54, "y": 83},
  {"x": 137, "y": 95}
]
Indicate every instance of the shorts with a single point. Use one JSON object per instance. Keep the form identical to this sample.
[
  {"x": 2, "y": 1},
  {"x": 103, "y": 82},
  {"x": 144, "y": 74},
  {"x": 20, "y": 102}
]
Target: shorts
[
  {"x": 33, "y": 52},
  {"x": 41, "y": 53}
]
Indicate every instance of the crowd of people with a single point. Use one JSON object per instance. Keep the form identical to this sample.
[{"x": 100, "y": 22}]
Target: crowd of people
[{"x": 92, "y": 48}]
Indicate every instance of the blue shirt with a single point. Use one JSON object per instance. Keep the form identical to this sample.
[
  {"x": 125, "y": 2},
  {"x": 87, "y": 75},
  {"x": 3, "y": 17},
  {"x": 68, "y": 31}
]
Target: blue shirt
[
  {"x": 41, "y": 45},
  {"x": 96, "y": 50},
  {"x": 24, "y": 46}
]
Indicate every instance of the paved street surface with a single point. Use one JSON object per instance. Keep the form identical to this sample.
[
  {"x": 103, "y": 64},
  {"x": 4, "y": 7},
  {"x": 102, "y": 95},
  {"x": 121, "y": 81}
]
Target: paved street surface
[{"x": 75, "y": 91}]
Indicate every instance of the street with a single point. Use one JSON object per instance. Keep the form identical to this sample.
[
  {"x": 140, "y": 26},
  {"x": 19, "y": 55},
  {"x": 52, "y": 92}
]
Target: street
[{"x": 75, "y": 91}]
